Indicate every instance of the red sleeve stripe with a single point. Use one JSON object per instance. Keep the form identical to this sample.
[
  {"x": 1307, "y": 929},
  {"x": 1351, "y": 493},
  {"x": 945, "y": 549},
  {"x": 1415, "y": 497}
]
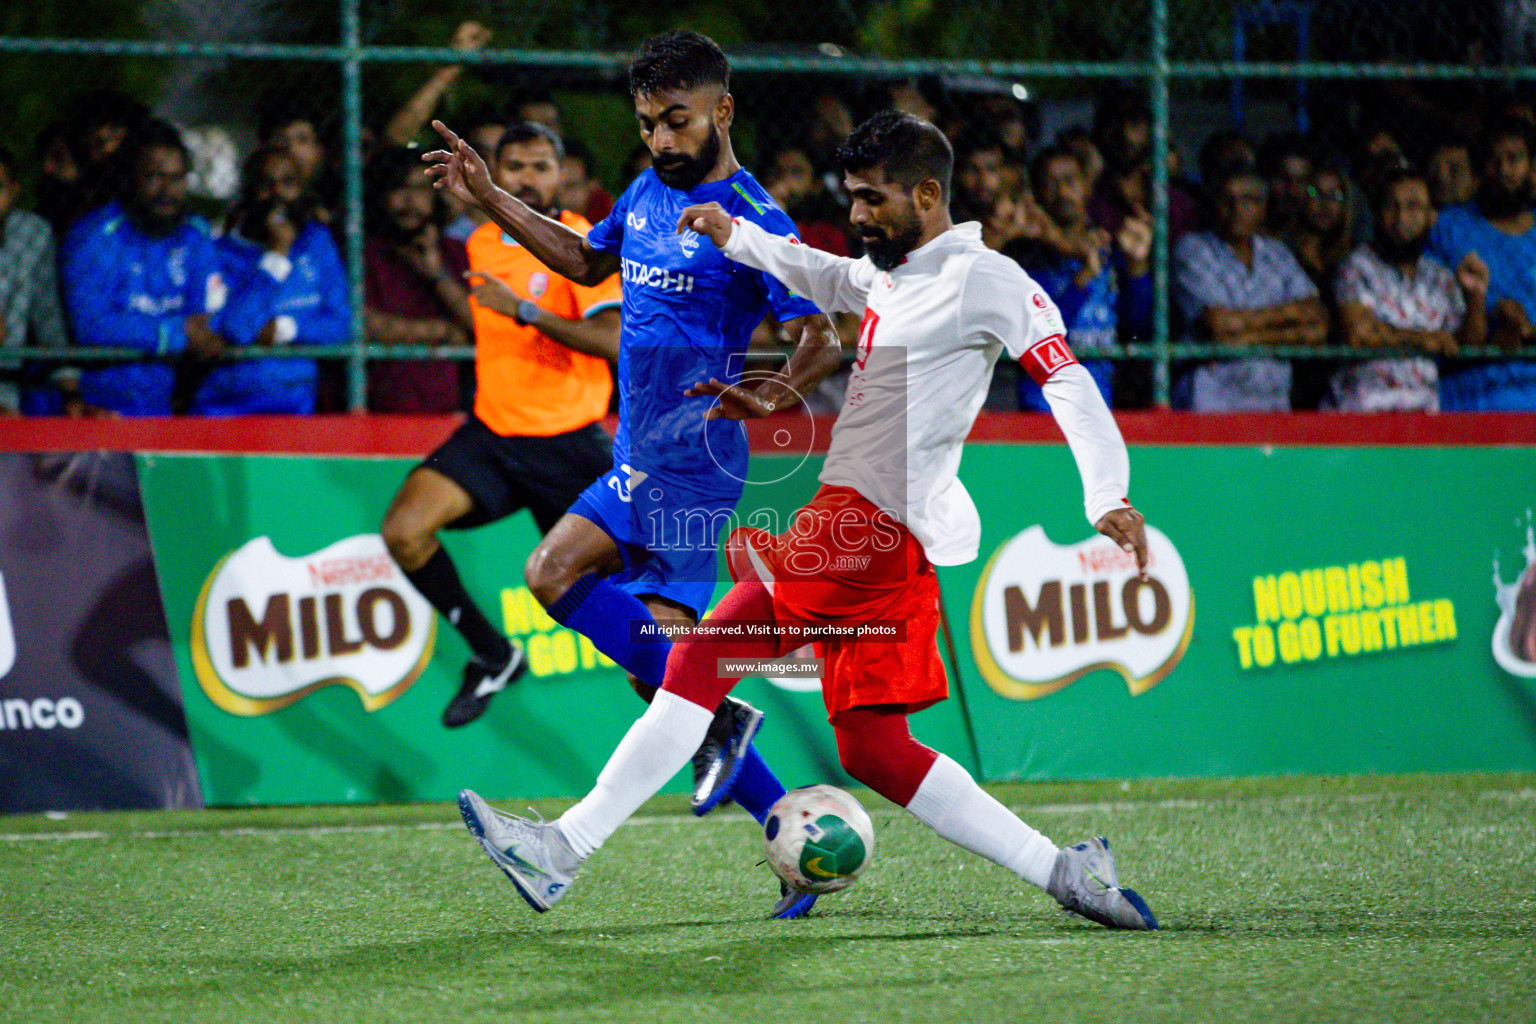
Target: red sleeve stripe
[{"x": 1045, "y": 357}]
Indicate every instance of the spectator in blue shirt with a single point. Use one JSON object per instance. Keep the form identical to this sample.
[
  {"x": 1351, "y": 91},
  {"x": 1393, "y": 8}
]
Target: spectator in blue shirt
[
  {"x": 1102, "y": 285},
  {"x": 141, "y": 273},
  {"x": 286, "y": 286},
  {"x": 1500, "y": 228}
]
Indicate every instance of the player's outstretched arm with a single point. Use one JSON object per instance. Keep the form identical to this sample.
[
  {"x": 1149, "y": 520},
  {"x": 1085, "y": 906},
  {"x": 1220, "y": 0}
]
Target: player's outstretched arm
[
  {"x": 835, "y": 283},
  {"x": 763, "y": 392},
  {"x": 458, "y": 170}
]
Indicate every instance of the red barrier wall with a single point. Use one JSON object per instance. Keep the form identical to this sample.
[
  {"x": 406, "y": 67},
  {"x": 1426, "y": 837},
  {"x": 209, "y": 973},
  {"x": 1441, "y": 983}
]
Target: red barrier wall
[{"x": 417, "y": 435}]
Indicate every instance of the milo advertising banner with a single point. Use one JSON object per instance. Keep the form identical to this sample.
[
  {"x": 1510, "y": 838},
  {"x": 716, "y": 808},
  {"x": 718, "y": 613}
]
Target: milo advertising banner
[
  {"x": 313, "y": 672},
  {"x": 1305, "y": 610}
]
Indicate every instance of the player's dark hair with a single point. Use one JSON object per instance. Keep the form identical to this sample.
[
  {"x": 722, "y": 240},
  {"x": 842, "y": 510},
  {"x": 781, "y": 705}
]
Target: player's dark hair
[
  {"x": 679, "y": 59},
  {"x": 908, "y": 149},
  {"x": 1502, "y": 128},
  {"x": 155, "y": 134},
  {"x": 530, "y": 131},
  {"x": 280, "y": 113},
  {"x": 8, "y": 162},
  {"x": 974, "y": 139},
  {"x": 1281, "y": 146},
  {"x": 1216, "y": 156}
]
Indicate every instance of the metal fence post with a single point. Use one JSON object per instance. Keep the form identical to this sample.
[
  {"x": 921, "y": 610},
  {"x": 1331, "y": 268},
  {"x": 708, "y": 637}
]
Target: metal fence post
[
  {"x": 352, "y": 149},
  {"x": 1159, "y": 83}
]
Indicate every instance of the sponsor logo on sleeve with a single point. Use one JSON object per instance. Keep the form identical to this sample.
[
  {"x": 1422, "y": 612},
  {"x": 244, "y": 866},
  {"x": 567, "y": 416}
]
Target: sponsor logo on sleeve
[
  {"x": 1045, "y": 614},
  {"x": 269, "y": 630}
]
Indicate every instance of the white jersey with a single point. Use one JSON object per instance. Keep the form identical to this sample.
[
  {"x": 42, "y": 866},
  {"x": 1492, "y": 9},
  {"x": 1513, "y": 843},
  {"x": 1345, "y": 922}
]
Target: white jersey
[{"x": 932, "y": 331}]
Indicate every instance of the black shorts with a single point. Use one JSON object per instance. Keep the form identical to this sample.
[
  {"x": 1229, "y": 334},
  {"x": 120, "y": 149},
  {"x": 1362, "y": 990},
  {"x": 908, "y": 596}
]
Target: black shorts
[{"x": 503, "y": 475}]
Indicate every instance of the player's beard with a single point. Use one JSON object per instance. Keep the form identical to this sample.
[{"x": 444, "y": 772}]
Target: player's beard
[
  {"x": 157, "y": 223},
  {"x": 683, "y": 172},
  {"x": 889, "y": 250},
  {"x": 1498, "y": 203},
  {"x": 1400, "y": 253}
]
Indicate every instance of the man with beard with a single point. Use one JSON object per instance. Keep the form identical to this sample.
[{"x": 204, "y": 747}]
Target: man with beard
[
  {"x": 939, "y": 309},
  {"x": 1501, "y": 229},
  {"x": 413, "y": 284},
  {"x": 630, "y": 554},
  {"x": 1100, "y": 284},
  {"x": 141, "y": 273},
  {"x": 1392, "y": 295},
  {"x": 287, "y": 286},
  {"x": 542, "y": 346}
]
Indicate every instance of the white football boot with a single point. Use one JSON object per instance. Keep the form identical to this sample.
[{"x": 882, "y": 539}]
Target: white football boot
[
  {"x": 1084, "y": 881},
  {"x": 534, "y": 854}
]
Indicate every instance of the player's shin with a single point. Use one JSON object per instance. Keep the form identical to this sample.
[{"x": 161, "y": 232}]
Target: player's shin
[
  {"x": 656, "y": 748},
  {"x": 615, "y": 621},
  {"x": 951, "y": 803},
  {"x": 756, "y": 789}
]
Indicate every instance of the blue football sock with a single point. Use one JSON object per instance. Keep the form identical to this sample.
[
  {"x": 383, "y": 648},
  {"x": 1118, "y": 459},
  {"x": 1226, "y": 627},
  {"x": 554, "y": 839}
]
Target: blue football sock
[
  {"x": 601, "y": 612},
  {"x": 756, "y": 789}
]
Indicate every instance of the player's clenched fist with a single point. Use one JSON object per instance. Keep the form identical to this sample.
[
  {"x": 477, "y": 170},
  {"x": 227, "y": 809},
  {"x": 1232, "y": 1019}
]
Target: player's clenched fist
[{"x": 707, "y": 219}]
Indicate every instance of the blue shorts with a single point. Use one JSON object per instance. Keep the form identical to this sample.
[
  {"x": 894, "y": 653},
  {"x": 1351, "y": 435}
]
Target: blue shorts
[{"x": 668, "y": 536}]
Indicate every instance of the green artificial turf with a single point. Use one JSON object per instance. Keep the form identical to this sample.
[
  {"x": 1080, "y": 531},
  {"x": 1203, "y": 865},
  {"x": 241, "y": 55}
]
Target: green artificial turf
[{"x": 1307, "y": 899}]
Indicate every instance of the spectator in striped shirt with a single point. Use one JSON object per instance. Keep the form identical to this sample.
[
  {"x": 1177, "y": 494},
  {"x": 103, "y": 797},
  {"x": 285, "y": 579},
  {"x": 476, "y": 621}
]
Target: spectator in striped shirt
[
  {"x": 1392, "y": 294},
  {"x": 1240, "y": 288}
]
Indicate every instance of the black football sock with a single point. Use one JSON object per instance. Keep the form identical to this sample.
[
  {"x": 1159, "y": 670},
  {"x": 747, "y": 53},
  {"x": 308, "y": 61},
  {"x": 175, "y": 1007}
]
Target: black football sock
[{"x": 439, "y": 583}]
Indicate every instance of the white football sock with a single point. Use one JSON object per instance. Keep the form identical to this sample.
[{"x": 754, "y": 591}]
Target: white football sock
[
  {"x": 656, "y": 747},
  {"x": 950, "y": 803}
]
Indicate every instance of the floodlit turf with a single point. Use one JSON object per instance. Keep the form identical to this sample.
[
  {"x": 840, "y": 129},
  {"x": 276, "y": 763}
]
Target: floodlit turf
[{"x": 1306, "y": 900}]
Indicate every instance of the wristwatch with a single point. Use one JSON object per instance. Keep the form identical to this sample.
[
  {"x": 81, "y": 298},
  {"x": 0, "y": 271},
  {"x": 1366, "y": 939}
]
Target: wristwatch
[{"x": 527, "y": 312}]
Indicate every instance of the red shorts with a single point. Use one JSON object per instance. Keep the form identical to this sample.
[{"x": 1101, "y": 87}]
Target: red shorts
[{"x": 843, "y": 562}]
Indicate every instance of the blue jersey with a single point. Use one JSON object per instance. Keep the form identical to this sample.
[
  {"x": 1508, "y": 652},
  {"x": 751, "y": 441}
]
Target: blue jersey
[
  {"x": 1511, "y": 259},
  {"x": 305, "y": 293},
  {"x": 124, "y": 288},
  {"x": 688, "y": 314}
]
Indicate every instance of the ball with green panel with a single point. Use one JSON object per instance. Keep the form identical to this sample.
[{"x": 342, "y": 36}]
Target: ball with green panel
[{"x": 819, "y": 839}]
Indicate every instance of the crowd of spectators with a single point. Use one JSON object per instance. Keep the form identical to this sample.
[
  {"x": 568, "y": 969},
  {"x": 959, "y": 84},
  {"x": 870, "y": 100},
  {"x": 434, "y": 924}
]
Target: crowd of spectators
[{"x": 1415, "y": 250}]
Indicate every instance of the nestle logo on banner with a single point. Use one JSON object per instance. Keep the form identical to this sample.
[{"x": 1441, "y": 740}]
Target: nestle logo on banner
[
  {"x": 269, "y": 629},
  {"x": 1045, "y": 614}
]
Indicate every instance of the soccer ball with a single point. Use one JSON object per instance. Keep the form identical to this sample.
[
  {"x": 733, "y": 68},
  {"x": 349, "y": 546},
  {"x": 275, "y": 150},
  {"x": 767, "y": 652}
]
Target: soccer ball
[{"x": 818, "y": 839}]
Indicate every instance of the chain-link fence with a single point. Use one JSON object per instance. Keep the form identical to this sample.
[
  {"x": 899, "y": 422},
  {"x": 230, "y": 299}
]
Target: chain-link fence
[{"x": 1161, "y": 103}]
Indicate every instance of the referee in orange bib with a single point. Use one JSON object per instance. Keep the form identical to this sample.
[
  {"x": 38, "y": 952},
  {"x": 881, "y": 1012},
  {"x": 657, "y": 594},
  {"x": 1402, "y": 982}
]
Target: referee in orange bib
[{"x": 542, "y": 350}]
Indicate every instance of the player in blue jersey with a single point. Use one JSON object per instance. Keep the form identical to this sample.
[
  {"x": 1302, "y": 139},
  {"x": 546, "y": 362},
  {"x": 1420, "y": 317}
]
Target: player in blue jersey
[{"x": 639, "y": 546}]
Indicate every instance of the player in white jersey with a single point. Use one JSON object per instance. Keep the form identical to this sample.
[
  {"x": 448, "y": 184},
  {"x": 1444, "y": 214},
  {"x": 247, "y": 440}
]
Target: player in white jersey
[{"x": 939, "y": 308}]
